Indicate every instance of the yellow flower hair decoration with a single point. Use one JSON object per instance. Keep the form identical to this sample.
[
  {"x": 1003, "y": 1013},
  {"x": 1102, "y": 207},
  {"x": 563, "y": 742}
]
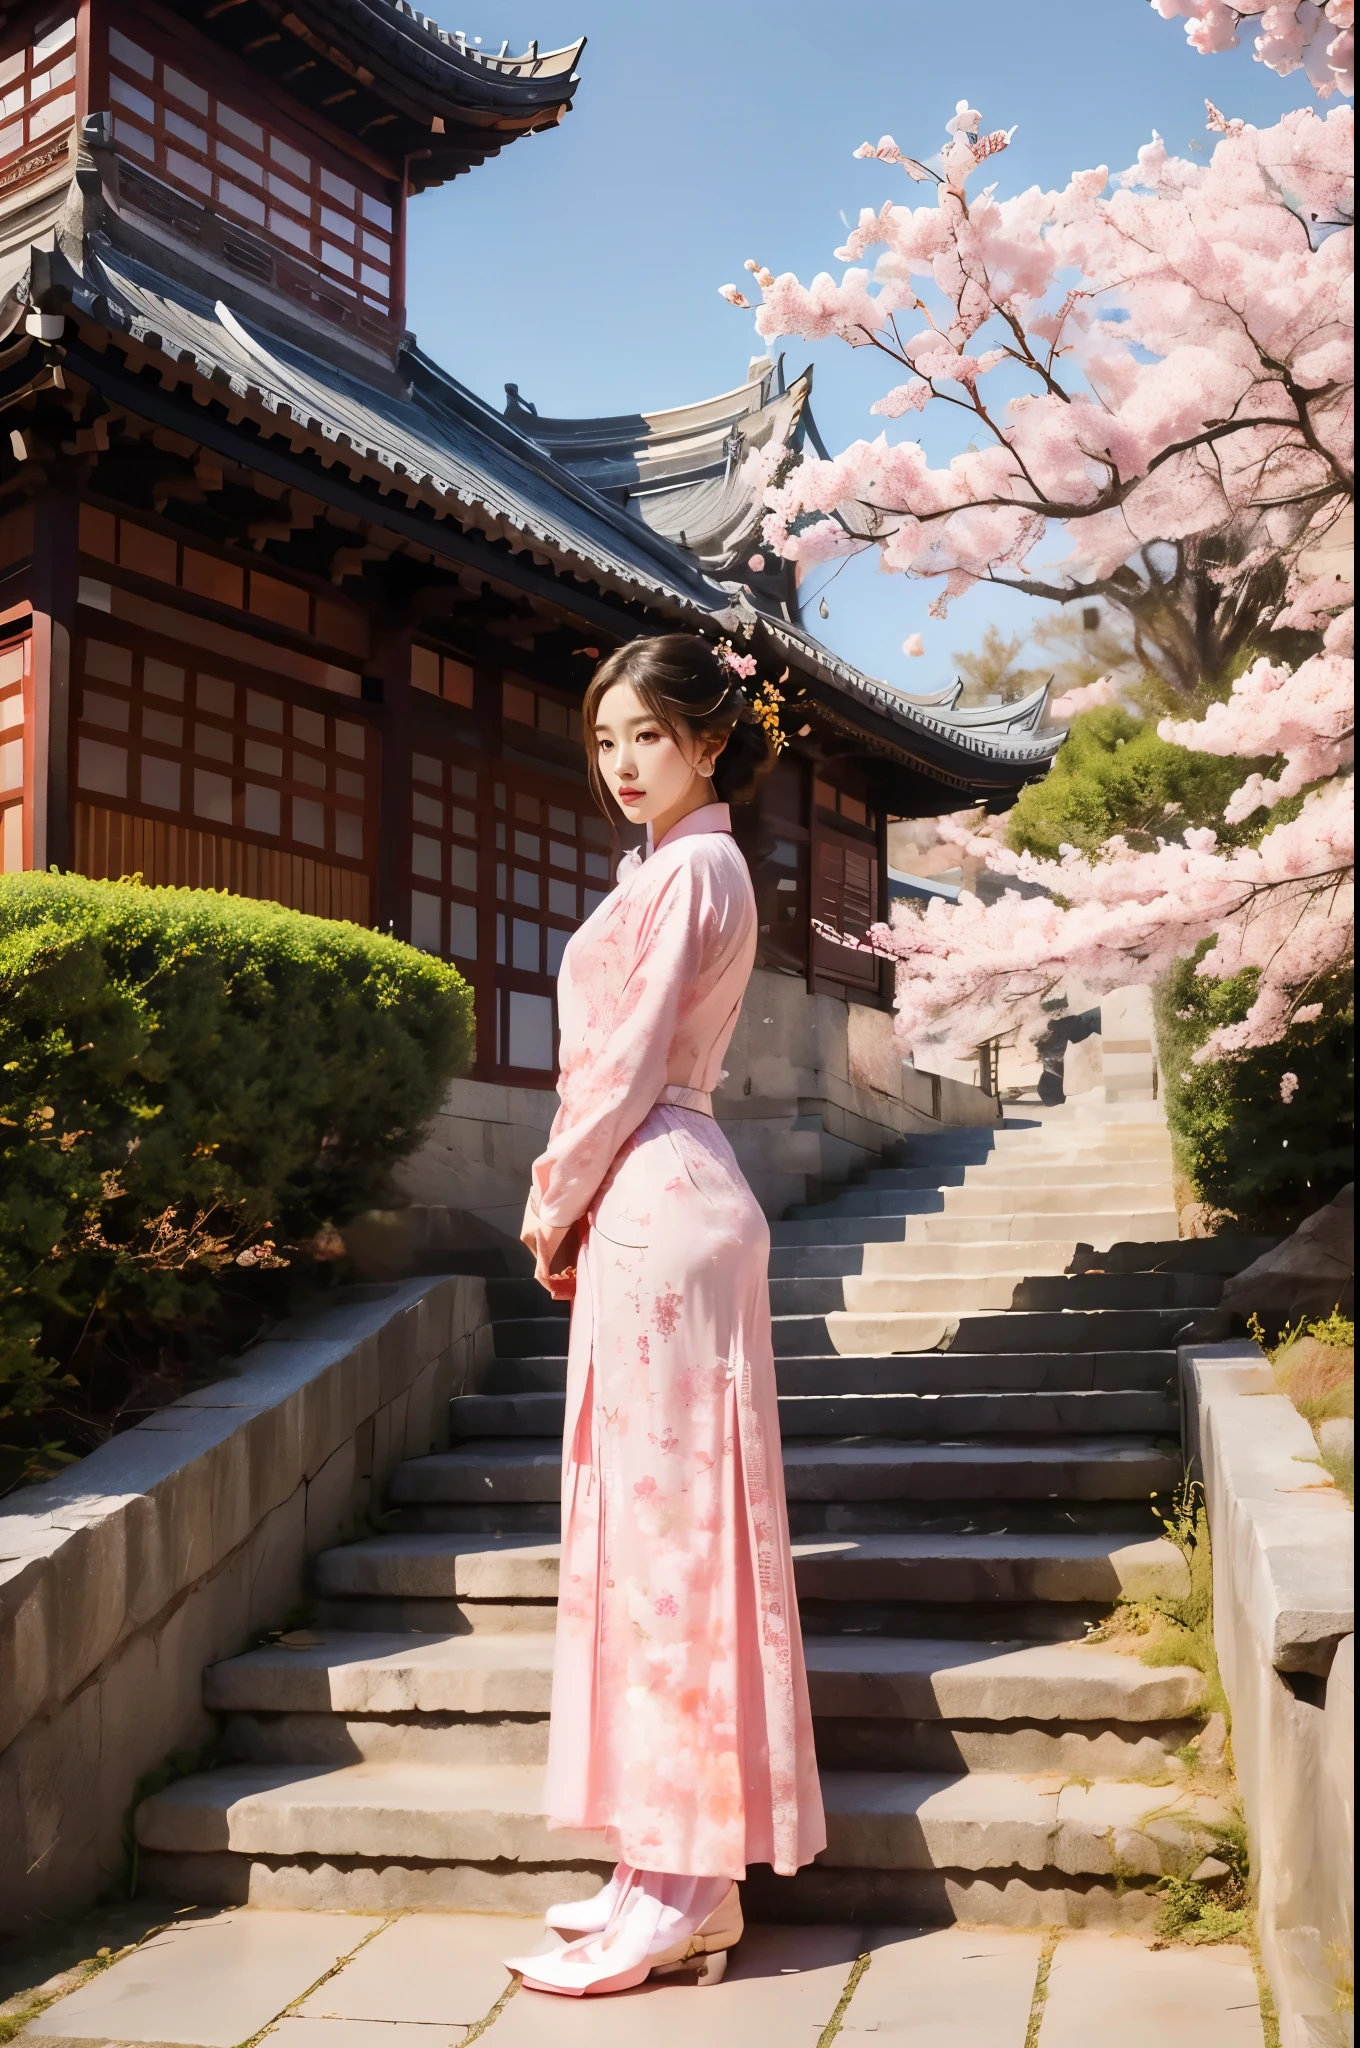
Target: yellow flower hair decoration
[{"x": 765, "y": 708}]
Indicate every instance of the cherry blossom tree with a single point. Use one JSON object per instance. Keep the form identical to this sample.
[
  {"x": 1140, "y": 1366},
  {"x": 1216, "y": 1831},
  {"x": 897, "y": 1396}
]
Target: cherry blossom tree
[
  {"x": 1282, "y": 907},
  {"x": 1155, "y": 366},
  {"x": 1320, "y": 39}
]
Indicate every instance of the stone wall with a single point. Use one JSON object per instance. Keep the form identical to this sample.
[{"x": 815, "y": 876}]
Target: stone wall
[
  {"x": 171, "y": 1545},
  {"x": 1284, "y": 1621},
  {"x": 815, "y": 1087}
]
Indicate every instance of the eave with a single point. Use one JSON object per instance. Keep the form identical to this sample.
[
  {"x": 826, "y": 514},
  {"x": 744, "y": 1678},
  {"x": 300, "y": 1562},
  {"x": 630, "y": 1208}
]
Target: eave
[{"x": 393, "y": 79}]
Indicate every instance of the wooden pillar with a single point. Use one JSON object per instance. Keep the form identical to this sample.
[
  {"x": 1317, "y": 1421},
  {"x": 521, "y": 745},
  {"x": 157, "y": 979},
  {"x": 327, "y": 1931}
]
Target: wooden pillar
[
  {"x": 389, "y": 679},
  {"x": 55, "y": 586}
]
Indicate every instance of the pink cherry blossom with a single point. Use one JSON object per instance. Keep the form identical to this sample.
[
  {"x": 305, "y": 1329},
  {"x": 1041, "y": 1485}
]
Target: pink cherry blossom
[
  {"x": 1296, "y": 33},
  {"x": 1094, "y": 696},
  {"x": 1178, "y": 397},
  {"x": 1289, "y": 1087},
  {"x": 913, "y": 644},
  {"x": 1284, "y": 907}
]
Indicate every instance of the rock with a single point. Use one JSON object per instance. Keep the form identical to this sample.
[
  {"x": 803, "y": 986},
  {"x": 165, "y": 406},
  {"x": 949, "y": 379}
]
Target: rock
[
  {"x": 1310, "y": 1274},
  {"x": 1209, "y": 1871},
  {"x": 1213, "y": 1740}
]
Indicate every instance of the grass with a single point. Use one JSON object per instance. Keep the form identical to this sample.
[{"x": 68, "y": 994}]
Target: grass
[
  {"x": 1168, "y": 1630},
  {"x": 833, "y": 2025},
  {"x": 1052, "y": 1937},
  {"x": 1314, "y": 1367},
  {"x": 1177, "y": 1630},
  {"x": 49, "y": 1965}
]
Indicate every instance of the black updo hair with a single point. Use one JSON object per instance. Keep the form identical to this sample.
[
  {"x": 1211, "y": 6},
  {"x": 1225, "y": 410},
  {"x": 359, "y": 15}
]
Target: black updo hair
[{"x": 691, "y": 692}]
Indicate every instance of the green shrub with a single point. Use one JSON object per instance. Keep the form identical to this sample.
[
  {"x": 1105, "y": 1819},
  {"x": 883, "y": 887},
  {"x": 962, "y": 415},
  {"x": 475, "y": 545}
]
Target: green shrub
[
  {"x": 1112, "y": 774},
  {"x": 189, "y": 1082},
  {"x": 1261, "y": 1162}
]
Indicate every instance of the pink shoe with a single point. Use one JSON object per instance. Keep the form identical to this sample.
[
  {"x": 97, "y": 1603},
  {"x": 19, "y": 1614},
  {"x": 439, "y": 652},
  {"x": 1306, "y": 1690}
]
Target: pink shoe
[
  {"x": 660, "y": 1924},
  {"x": 590, "y": 1916}
]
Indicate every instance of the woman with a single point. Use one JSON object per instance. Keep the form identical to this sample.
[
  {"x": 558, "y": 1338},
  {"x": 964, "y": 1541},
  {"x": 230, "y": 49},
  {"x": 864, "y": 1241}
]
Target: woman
[{"x": 680, "y": 1718}]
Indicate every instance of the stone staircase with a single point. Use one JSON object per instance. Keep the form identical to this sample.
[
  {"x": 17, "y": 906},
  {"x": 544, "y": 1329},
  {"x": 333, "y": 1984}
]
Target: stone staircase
[{"x": 972, "y": 1434}]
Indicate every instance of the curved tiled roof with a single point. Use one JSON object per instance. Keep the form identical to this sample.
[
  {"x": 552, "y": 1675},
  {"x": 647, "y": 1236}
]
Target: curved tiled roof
[
  {"x": 420, "y": 434},
  {"x": 394, "y": 79}
]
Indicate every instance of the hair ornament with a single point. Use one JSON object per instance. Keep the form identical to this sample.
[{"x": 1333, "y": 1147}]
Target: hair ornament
[
  {"x": 742, "y": 666},
  {"x": 765, "y": 704}
]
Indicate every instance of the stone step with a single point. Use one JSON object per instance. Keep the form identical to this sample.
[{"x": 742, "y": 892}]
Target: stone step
[
  {"x": 345, "y": 1672},
  {"x": 1102, "y": 1196},
  {"x": 1037, "y": 1193},
  {"x": 530, "y": 1337},
  {"x": 1097, "y": 1228},
  {"x": 1017, "y": 1256},
  {"x": 890, "y": 1678},
  {"x": 943, "y": 1293},
  {"x": 1012, "y": 1169},
  {"x": 843, "y": 1742},
  {"x": 1100, "y": 1228},
  {"x": 1079, "y": 1468},
  {"x": 926, "y": 1372},
  {"x": 1119, "y": 1291},
  {"x": 1027, "y": 1330},
  {"x": 923, "y": 1417},
  {"x": 449, "y": 1570},
  {"x": 416, "y": 1813},
  {"x": 874, "y": 1292},
  {"x": 796, "y": 1335},
  {"x": 523, "y": 1297}
]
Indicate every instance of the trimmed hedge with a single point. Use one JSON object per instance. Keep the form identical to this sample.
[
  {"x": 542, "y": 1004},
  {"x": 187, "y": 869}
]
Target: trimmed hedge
[{"x": 189, "y": 1082}]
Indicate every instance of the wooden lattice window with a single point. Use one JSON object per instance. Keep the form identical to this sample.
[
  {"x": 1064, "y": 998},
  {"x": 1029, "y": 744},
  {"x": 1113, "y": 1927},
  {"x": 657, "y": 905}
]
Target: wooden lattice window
[
  {"x": 844, "y": 901},
  {"x": 105, "y": 537},
  {"x": 328, "y": 210},
  {"x": 522, "y": 704},
  {"x": 506, "y": 861},
  {"x": 773, "y": 835},
  {"x": 440, "y": 675},
  {"x": 193, "y": 769},
  {"x": 829, "y": 797},
  {"x": 37, "y": 87}
]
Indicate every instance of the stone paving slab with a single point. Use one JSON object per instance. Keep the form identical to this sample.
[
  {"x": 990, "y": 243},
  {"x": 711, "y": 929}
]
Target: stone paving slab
[
  {"x": 782, "y": 1986},
  {"x": 424, "y": 1970},
  {"x": 1121, "y": 1994},
  {"x": 946, "y": 1987},
  {"x": 422, "y": 1980},
  {"x": 208, "y": 1984}
]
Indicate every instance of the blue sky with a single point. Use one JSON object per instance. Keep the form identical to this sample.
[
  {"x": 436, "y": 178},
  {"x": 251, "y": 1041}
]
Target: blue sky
[{"x": 584, "y": 263}]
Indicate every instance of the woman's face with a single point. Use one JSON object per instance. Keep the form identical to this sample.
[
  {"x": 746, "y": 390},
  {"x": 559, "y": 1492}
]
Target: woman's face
[{"x": 650, "y": 773}]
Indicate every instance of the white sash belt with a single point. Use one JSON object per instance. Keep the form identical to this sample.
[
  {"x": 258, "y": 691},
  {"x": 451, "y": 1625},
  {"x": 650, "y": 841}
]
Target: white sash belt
[{"x": 686, "y": 1098}]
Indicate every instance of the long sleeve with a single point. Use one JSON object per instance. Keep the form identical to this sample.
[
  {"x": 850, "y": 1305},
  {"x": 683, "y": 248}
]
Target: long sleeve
[{"x": 636, "y": 1005}]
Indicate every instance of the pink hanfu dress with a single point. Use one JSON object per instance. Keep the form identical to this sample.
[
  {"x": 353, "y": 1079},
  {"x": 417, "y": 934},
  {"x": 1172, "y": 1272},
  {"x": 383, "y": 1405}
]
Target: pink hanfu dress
[{"x": 680, "y": 1717}]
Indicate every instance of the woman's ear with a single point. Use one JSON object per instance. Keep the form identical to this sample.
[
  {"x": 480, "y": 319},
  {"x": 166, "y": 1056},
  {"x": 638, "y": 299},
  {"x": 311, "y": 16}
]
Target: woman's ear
[{"x": 708, "y": 759}]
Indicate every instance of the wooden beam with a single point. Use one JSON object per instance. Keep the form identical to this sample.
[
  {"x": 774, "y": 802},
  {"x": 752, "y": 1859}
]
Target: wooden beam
[
  {"x": 53, "y": 586},
  {"x": 442, "y": 537},
  {"x": 390, "y": 670}
]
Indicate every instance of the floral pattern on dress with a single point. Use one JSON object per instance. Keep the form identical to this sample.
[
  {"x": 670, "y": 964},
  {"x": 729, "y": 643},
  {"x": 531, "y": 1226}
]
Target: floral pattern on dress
[{"x": 680, "y": 1720}]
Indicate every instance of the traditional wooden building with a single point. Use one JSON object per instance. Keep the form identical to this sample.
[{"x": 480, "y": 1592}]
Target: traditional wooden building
[{"x": 286, "y": 609}]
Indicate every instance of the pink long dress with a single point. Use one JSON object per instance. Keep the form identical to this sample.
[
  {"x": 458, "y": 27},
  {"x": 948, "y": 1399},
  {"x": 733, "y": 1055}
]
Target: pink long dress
[{"x": 680, "y": 1717}]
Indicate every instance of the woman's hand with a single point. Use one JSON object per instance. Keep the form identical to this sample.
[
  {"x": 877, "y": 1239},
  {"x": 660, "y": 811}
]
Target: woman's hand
[{"x": 544, "y": 1240}]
